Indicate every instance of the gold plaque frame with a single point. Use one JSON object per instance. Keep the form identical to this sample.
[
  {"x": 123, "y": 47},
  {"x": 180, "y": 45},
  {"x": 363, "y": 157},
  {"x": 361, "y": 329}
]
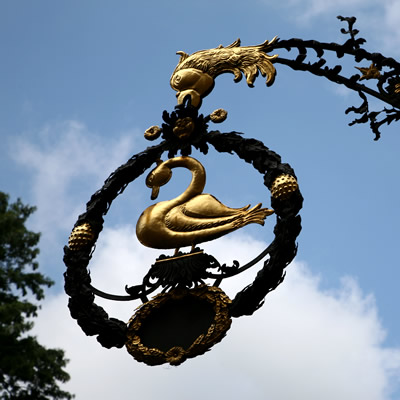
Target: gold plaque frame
[{"x": 176, "y": 355}]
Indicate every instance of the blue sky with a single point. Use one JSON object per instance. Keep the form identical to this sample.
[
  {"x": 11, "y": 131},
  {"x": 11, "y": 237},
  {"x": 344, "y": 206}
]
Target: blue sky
[{"x": 81, "y": 81}]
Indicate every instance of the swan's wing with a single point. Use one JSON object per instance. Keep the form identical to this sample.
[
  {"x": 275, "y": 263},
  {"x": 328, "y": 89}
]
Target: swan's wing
[
  {"x": 207, "y": 206},
  {"x": 179, "y": 219}
]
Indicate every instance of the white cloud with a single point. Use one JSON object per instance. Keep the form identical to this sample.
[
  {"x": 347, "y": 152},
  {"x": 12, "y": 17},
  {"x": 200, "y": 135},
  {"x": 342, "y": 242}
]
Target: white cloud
[
  {"x": 390, "y": 28},
  {"x": 315, "y": 8},
  {"x": 66, "y": 160},
  {"x": 304, "y": 343}
]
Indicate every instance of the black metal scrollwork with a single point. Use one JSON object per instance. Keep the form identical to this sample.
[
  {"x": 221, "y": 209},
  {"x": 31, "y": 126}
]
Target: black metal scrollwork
[
  {"x": 387, "y": 73},
  {"x": 111, "y": 332}
]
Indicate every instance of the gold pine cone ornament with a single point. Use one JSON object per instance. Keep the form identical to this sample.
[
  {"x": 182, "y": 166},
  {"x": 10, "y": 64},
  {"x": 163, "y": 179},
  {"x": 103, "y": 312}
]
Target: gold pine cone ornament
[
  {"x": 283, "y": 186},
  {"x": 81, "y": 236}
]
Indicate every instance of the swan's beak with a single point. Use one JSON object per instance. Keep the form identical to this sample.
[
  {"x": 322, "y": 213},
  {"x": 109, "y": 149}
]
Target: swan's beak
[{"x": 154, "y": 192}]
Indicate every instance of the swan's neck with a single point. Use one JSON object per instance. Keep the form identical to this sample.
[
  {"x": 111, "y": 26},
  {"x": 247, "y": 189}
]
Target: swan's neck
[{"x": 198, "y": 181}]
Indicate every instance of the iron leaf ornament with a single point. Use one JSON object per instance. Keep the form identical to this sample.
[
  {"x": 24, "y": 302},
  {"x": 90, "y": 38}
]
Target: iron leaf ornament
[{"x": 189, "y": 312}]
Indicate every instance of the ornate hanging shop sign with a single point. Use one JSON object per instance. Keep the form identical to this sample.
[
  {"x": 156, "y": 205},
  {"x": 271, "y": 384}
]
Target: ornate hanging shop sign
[{"x": 188, "y": 312}]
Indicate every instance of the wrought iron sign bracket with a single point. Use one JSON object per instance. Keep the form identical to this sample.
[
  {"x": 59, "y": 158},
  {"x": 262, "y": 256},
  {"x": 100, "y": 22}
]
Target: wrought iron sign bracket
[{"x": 182, "y": 280}]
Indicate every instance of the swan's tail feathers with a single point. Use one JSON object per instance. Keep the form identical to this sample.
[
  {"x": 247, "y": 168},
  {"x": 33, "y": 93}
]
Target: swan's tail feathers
[{"x": 255, "y": 215}]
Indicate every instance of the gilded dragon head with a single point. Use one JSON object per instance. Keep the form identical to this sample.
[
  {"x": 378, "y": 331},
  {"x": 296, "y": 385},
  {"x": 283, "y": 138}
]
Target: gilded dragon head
[{"x": 194, "y": 75}]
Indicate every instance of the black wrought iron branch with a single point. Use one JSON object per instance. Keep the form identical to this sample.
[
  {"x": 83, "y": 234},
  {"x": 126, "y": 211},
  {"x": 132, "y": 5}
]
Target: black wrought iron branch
[{"x": 384, "y": 71}]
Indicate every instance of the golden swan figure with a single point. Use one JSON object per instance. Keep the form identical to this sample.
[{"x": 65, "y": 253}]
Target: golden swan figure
[{"x": 192, "y": 217}]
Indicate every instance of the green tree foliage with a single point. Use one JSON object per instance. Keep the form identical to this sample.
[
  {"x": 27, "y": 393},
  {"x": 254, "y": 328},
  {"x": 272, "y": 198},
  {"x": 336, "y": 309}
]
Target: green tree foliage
[{"x": 27, "y": 369}]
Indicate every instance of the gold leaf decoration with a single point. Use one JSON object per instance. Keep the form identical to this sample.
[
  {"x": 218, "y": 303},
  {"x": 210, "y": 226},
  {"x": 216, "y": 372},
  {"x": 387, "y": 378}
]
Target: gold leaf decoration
[
  {"x": 175, "y": 355},
  {"x": 183, "y": 128},
  {"x": 219, "y": 115},
  {"x": 371, "y": 72},
  {"x": 152, "y": 133}
]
